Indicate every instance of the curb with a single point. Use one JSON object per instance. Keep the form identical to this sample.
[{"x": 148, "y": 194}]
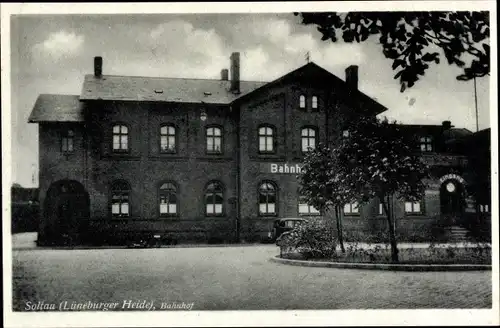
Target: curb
[
  {"x": 40, "y": 248},
  {"x": 386, "y": 267}
]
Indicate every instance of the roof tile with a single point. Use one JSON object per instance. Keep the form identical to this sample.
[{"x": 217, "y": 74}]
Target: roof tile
[
  {"x": 135, "y": 88},
  {"x": 57, "y": 108}
]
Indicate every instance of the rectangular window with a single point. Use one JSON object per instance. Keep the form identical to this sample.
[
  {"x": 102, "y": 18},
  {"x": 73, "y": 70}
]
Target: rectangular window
[
  {"x": 305, "y": 208},
  {"x": 484, "y": 208},
  {"x": 426, "y": 144},
  {"x": 120, "y": 138},
  {"x": 67, "y": 142},
  {"x": 214, "y": 140},
  {"x": 308, "y": 139},
  {"x": 351, "y": 209},
  {"x": 167, "y": 139},
  {"x": 380, "y": 209},
  {"x": 413, "y": 207},
  {"x": 266, "y": 139}
]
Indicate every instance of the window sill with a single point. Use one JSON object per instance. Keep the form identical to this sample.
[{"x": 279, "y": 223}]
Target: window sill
[
  {"x": 215, "y": 215},
  {"x": 414, "y": 214},
  {"x": 170, "y": 216},
  {"x": 309, "y": 214},
  {"x": 263, "y": 215},
  {"x": 352, "y": 214}
]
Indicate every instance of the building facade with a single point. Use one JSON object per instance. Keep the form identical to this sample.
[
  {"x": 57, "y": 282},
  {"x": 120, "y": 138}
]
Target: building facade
[{"x": 205, "y": 160}]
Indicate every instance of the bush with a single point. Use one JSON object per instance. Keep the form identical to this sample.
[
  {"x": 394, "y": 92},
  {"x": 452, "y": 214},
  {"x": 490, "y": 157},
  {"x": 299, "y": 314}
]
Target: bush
[
  {"x": 24, "y": 217},
  {"x": 311, "y": 239}
]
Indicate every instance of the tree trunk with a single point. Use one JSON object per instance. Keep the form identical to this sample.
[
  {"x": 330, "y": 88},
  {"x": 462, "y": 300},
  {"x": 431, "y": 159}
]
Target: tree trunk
[
  {"x": 392, "y": 232},
  {"x": 339, "y": 228}
]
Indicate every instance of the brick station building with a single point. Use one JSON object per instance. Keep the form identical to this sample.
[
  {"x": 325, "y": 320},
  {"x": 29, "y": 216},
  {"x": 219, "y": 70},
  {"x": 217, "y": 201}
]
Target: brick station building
[{"x": 206, "y": 159}]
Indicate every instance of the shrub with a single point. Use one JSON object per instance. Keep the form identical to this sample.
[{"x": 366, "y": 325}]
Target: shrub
[{"x": 311, "y": 239}]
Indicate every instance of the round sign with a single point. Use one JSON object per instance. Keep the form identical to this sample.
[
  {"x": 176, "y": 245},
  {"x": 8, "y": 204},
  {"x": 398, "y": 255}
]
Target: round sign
[{"x": 450, "y": 187}]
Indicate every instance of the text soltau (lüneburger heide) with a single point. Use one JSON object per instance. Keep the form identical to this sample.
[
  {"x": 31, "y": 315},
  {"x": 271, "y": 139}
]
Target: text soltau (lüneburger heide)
[{"x": 134, "y": 305}]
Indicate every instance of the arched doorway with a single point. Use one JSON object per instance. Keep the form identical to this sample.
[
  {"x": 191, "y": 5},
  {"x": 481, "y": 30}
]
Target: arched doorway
[
  {"x": 452, "y": 200},
  {"x": 66, "y": 211}
]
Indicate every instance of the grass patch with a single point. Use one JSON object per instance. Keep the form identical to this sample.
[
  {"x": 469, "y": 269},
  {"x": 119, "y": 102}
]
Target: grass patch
[{"x": 477, "y": 254}]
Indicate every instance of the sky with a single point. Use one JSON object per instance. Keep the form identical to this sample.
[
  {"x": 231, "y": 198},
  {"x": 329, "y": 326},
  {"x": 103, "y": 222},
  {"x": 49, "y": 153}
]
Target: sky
[{"x": 52, "y": 53}]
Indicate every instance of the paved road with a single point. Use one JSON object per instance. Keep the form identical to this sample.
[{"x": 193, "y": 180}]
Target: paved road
[{"x": 231, "y": 278}]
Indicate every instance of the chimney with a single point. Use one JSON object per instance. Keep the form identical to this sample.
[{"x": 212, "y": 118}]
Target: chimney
[
  {"x": 98, "y": 66},
  {"x": 351, "y": 77},
  {"x": 224, "y": 74},
  {"x": 446, "y": 125},
  {"x": 235, "y": 72}
]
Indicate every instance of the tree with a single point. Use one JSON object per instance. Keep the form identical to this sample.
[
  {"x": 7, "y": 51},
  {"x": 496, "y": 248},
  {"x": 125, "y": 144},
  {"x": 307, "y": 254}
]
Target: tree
[
  {"x": 379, "y": 161},
  {"x": 376, "y": 160},
  {"x": 322, "y": 185},
  {"x": 411, "y": 39}
]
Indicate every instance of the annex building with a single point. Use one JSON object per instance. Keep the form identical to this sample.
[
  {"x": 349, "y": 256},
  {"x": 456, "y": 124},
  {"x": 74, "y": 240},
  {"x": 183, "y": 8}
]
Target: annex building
[{"x": 212, "y": 159}]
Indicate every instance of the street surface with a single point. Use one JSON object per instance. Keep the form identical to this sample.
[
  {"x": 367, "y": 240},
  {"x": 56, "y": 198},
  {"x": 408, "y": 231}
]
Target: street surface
[{"x": 230, "y": 278}]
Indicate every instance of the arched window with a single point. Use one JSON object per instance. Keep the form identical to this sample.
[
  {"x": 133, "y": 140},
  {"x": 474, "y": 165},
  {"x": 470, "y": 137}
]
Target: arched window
[
  {"x": 67, "y": 141},
  {"x": 266, "y": 139},
  {"x": 214, "y": 140},
  {"x": 305, "y": 208},
  {"x": 167, "y": 139},
  {"x": 314, "y": 102},
  {"x": 120, "y": 199},
  {"x": 308, "y": 137},
  {"x": 214, "y": 198},
  {"x": 267, "y": 198},
  {"x": 168, "y": 199},
  {"x": 120, "y": 138},
  {"x": 302, "y": 102}
]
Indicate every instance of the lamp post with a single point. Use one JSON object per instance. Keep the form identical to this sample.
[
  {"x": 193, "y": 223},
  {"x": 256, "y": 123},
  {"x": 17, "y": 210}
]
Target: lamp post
[
  {"x": 203, "y": 115},
  {"x": 475, "y": 102}
]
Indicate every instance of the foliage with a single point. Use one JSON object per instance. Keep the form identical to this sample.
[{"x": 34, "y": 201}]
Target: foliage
[
  {"x": 321, "y": 181},
  {"x": 379, "y": 160},
  {"x": 411, "y": 39},
  {"x": 376, "y": 160},
  {"x": 310, "y": 239},
  {"x": 474, "y": 253}
]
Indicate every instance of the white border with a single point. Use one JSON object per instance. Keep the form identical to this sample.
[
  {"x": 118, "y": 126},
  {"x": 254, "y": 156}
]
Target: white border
[{"x": 240, "y": 318}]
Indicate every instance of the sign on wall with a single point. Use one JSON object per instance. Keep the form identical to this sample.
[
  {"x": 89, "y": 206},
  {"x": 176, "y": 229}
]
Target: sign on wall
[
  {"x": 452, "y": 176},
  {"x": 281, "y": 168}
]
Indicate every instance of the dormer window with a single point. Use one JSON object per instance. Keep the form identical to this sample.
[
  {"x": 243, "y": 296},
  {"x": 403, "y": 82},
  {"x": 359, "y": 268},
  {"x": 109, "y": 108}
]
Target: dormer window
[{"x": 425, "y": 143}]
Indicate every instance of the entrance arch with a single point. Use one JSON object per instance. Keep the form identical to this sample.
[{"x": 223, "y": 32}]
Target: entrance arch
[
  {"x": 66, "y": 210},
  {"x": 452, "y": 197}
]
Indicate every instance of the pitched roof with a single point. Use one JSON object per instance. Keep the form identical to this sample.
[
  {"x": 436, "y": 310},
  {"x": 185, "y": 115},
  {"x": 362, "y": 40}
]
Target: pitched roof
[
  {"x": 312, "y": 70},
  {"x": 137, "y": 88},
  {"x": 57, "y": 108}
]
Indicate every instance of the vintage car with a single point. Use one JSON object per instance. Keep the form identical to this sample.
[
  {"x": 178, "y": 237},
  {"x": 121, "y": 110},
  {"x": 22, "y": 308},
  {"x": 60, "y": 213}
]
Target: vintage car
[{"x": 285, "y": 224}]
